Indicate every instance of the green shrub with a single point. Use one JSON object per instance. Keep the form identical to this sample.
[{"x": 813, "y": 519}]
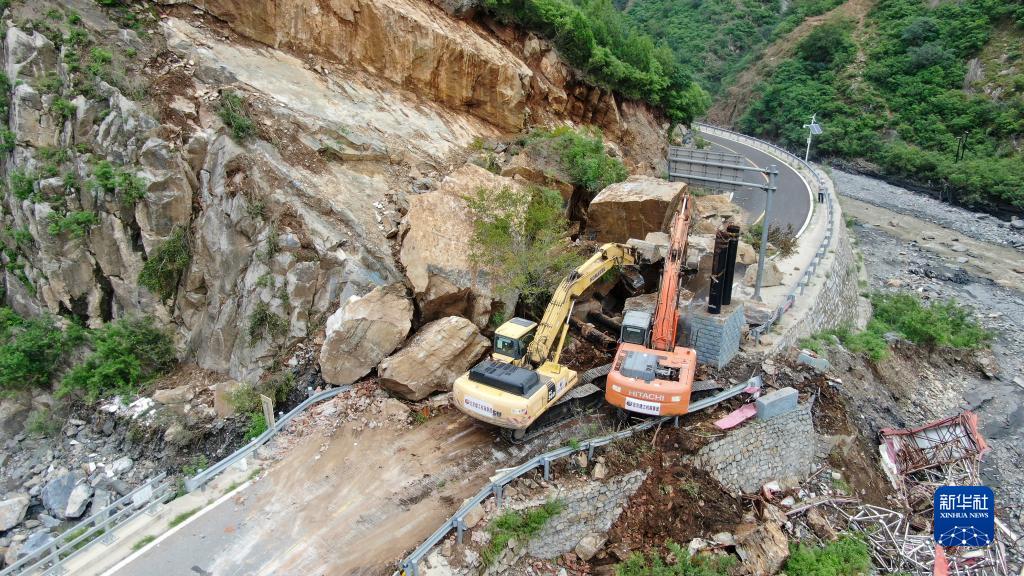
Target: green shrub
[
  {"x": 23, "y": 184},
  {"x": 257, "y": 425},
  {"x": 263, "y": 323},
  {"x": 75, "y": 224},
  {"x": 63, "y": 109},
  {"x": 783, "y": 239},
  {"x": 125, "y": 355},
  {"x": 165, "y": 265},
  {"x": 8, "y": 140},
  {"x": 525, "y": 252},
  {"x": 847, "y": 556},
  {"x": 235, "y": 115},
  {"x": 198, "y": 463},
  {"x": 938, "y": 324},
  {"x": 582, "y": 154},
  {"x": 518, "y": 525},
  {"x": 31, "y": 350},
  {"x": 676, "y": 563},
  {"x": 112, "y": 179}
]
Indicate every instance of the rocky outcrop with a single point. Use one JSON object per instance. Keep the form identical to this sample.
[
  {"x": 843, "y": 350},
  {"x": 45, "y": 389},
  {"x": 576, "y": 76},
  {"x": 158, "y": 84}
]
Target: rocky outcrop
[
  {"x": 362, "y": 332},
  {"x": 632, "y": 209},
  {"x": 436, "y": 237},
  {"x": 433, "y": 359}
]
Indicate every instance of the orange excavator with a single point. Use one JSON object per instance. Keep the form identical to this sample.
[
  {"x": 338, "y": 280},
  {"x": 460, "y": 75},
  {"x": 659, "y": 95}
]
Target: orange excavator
[{"x": 650, "y": 374}]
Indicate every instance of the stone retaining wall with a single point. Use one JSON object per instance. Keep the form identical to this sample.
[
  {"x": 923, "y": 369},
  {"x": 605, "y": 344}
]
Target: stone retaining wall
[{"x": 761, "y": 451}]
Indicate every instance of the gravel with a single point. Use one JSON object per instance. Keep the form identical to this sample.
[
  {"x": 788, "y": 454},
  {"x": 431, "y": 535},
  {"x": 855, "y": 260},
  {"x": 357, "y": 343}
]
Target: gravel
[{"x": 983, "y": 227}]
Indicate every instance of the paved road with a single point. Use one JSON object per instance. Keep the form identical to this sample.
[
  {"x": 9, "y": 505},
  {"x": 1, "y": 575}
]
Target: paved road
[{"x": 791, "y": 204}]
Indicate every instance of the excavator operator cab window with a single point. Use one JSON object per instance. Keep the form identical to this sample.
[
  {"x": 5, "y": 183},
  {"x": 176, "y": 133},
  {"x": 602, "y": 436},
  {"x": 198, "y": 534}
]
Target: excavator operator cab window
[
  {"x": 509, "y": 346},
  {"x": 634, "y": 335}
]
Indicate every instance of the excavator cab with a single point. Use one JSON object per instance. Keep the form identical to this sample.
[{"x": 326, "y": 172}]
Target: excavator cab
[
  {"x": 512, "y": 339},
  {"x": 636, "y": 328}
]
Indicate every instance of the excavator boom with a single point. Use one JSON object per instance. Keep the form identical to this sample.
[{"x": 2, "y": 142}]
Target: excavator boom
[
  {"x": 552, "y": 327},
  {"x": 666, "y": 315}
]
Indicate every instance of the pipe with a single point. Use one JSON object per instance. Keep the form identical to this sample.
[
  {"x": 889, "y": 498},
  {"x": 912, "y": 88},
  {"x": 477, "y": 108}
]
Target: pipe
[
  {"x": 718, "y": 267},
  {"x": 730, "y": 263},
  {"x": 602, "y": 320},
  {"x": 593, "y": 335}
]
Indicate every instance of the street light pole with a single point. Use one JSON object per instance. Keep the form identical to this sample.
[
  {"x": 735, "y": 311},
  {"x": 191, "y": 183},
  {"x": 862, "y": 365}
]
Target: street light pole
[
  {"x": 773, "y": 173},
  {"x": 810, "y": 133}
]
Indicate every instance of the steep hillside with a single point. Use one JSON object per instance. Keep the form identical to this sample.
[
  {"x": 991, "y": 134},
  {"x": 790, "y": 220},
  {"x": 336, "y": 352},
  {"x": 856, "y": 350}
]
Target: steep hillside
[
  {"x": 901, "y": 90},
  {"x": 716, "y": 39}
]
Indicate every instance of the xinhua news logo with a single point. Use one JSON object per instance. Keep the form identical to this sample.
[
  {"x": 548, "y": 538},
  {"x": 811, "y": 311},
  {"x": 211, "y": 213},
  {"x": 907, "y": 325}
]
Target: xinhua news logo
[{"x": 964, "y": 516}]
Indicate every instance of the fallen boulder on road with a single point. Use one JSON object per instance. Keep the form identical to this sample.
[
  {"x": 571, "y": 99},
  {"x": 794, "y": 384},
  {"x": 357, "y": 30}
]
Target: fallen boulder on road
[
  {"x": 363, "y": 331},
  {"x": 432, "y": 360}
]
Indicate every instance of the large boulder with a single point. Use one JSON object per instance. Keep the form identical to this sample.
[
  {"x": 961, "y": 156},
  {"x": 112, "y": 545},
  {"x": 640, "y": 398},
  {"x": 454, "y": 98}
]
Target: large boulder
[
  {"x": 710, "y": 212},
  {"x": 363, "y": 331},
  {"x": 78, "y": 500},
  {"x": 57, "y": 492},
  {"x": 632, "y": 209},
  {"x": 773, "y": 275},
  {"x": 437, "y": 235},
  {"x": 12, "y": 511},
  {"x": 433, "y": 359}
]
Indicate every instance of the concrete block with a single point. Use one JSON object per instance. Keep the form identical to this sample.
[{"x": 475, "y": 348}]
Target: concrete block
[
  {"x": 775, "y": 403},
  {"x": 818, "y": 363}
]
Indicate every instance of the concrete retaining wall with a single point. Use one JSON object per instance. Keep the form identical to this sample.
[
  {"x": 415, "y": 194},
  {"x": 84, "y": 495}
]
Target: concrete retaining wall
[{"x": 761, "y": 451}]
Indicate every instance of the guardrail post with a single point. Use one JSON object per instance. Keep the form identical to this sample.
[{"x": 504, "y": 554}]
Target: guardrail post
[
  {"x": 547, "y": 468},
  {"x": 675, "y": 422},
  {"x": 590, "y": 453},
  {"x": 498, "y": 488},
  {"x": 460, "y": 526}
]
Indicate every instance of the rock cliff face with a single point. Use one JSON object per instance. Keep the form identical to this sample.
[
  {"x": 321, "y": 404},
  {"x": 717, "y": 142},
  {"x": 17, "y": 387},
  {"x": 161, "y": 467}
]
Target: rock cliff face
[
  {"x": 505, "y": 77},
  {"x": 358, "y": 108}
]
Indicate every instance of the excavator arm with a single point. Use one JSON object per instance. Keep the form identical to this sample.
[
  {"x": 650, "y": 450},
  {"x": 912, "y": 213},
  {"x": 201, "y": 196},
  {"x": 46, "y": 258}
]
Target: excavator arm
[
  {"x": 666, "y": 315},
  {"x": 551, "y": 331}
]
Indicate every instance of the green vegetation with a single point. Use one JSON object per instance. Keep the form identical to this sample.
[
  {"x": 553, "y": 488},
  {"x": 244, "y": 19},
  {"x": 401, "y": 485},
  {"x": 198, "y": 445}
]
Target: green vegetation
[
  {"x": 182, "y": 517},
  {"x": 234, "y": 113},
  {"x": 905, "y": 107},
  {"x": 64, "y": 109},
  {"x": 165, "y": 265},
  {"x": 847, "y": 556},
  {"x": 143, "y": 542},
  {"x": 783, "y": 239},
  {"x": 716, "y": 39},
  {"x": 257, "y": 426},
  {"x": 112, "y": 179},
  {"x": 74, "y": 224},
  {"x": 594, "y": 37},
  {"x": 940, "y": 324},
  {"x": 524, "y": 251},
  {"x": 518, "y": 525},
  {"x": 126, "y": 354},
  {"x": 22, "y": 184},
  {"x": 263, "y": 323},
  {"x": 42, "y": 422},
  {"x": 32, "y": 350},
  {"x": 582, "y": 154},
  {"x": 198, "y": 464},
  {"x": 677, "y": 562}
]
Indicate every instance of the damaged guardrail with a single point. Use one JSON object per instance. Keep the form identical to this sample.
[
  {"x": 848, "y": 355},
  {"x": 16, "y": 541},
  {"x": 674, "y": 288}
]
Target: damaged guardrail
[
  {"x": 795, "y": 162},
  {"x": 410, "y": 565}
]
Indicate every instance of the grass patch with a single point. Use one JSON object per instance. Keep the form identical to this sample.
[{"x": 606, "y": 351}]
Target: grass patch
[
  {"x": 517, "y": 525},
  {"x": 23, "y": 185},
  {"x": 234, "y": 112},
  {"x": 182, "y": 517},
  {"x": 847, "y": 556},
  {"x": 677, "y": 561},
  {"x": 112, "y": 179},
  {"x": 143, "y": 542},
  {"x": 583, "y": 156},
  {"x": 74, "y": 224},
  {"x": 197, "y": 465},
  {"x": 166, "y": 264},
  {"x": 257, "y": 425},
  {"x": 42, "y": 422}
]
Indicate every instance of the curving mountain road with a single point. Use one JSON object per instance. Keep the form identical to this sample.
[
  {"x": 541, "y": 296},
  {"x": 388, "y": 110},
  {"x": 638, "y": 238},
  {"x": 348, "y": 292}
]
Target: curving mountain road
[{"x": 792, "y": 202}]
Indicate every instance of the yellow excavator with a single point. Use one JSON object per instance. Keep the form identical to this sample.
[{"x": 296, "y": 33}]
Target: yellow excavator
[{"x": 523, "y": 378}]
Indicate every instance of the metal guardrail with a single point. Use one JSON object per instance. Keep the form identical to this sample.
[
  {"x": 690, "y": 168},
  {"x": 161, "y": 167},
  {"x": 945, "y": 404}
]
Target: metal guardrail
[
  {"x": 795, "y": 162},
  {"x": 410, "y": 565},
  {"x": 208, "y": 474},
  {"x": 99, "y": 527}
]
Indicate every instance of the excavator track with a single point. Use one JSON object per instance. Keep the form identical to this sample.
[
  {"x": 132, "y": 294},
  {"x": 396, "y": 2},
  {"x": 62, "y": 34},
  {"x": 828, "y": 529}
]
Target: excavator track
[{"x": 582, "y": 399}]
